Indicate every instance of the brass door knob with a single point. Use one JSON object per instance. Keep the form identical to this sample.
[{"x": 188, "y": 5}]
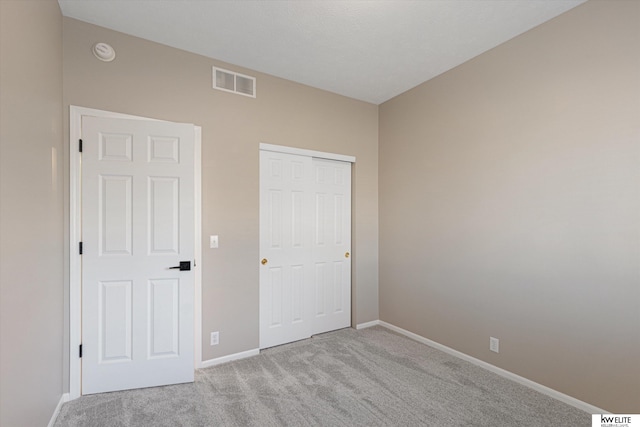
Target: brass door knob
[
  {"x": 264, "y": 261},
  {"x": 346, "y": 255}
]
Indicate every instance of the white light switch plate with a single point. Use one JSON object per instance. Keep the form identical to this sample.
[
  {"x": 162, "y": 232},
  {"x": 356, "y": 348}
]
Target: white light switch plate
[{"x": 213, "y": 241}]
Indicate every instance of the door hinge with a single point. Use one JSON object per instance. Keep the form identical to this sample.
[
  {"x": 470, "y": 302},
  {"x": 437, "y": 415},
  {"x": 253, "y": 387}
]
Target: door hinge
[
  {"x": 80, "y": 145},
  {"x": 80, "y": 248},
  {"x": 80, "y": 351}
]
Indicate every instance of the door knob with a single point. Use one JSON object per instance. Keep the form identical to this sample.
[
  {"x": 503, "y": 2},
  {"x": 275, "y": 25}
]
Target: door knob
[
  {"x": 264, "y": 261},
  {"x": 184, "y": 266},
  {"x": 346, "y": 255}
]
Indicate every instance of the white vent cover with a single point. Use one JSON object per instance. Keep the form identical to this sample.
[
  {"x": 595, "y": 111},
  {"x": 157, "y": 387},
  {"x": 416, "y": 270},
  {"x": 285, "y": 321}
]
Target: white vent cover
[{"x": 229, "y": 81}]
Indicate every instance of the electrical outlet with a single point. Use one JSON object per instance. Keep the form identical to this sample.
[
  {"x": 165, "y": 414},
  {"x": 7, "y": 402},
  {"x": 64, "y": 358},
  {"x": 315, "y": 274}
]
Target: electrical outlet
[
  {"x": 215, "y": 338},
  {"x": 494, "y": 344}
]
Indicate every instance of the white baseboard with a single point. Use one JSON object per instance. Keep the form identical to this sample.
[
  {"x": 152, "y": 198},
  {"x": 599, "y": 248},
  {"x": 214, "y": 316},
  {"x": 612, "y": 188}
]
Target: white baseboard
[
  {"x": 229, "y": 358},
  {"x": 503, "y": 373},
  {"x": 63, "y": 399},
  {"x": 367, "y": 324}
]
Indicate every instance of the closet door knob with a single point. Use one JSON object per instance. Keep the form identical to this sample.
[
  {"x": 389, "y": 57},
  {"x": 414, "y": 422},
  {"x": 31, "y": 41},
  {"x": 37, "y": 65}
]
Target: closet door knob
[
  {"x": 264, "y": 261},
  {"x": 346, "y": 255}
]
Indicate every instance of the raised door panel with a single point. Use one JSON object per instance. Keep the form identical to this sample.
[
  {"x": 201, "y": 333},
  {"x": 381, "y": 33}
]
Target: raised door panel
[
  {"x": 274, "y": 290},
  {"x": 163, "y": 149},
  {"x": 115, "y": 147},
  {"x": 115, "y": 323},
  {"x": 163, "y": 322},
  {"x": 163, "y": 215},
  {"x": 115, "y": 215}
]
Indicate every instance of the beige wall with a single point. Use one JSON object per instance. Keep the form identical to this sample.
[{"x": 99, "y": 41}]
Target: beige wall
[
  {"x": 152, "y": 80},
  {"x": 31, "y": 223},
  {"x": 510, "y": 206}
]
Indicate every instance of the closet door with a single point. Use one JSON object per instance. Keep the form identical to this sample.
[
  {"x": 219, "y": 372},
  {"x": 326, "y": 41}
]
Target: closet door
[
  {"x": 331, "y": 245},
  {"x": 286, "y": 214},
  {"x": 305, "y": 244}
]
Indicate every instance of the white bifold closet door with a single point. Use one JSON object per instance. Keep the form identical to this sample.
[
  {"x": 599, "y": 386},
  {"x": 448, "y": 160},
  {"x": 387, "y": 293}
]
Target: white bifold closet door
[{"x": 305, "y": 240}]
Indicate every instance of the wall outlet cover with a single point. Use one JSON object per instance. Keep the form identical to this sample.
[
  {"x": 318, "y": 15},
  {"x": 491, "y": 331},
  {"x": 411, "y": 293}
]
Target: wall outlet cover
[
  {"x": 215, "y": 338},
  {"x": 494, "y": 344}
]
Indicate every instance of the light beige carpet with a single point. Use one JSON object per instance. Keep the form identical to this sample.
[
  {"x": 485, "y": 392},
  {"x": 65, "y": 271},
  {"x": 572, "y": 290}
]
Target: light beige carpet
[{"x": 370, "y": 377}]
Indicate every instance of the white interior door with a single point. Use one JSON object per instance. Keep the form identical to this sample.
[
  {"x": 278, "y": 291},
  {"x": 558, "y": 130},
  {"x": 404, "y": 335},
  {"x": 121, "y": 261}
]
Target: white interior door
[
  {"x": 137, "y": 223},
  {"x": 285, "y": 247},
  {"x": 331, "y": 245},
  {"x": 305, "y": 238}
]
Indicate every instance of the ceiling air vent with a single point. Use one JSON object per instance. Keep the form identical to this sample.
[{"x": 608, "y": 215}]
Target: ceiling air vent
[{"x": 229, "y": 81}]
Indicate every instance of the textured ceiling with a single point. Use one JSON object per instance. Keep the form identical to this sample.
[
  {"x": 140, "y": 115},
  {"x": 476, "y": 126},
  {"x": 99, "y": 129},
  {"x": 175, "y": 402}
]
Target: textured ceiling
[{"x": 368, "y": 50}]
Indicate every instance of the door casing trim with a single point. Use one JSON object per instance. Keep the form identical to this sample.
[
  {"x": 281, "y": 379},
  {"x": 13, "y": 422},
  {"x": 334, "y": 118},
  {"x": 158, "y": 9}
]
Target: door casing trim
[
  {"x": 308, "y": 153},
  {"x": 75, "y": 272}
]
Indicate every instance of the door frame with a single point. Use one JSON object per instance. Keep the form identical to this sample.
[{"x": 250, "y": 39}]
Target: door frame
[
  {"x": 309, "y": 153},
  {"x": 75, "y": 272}
]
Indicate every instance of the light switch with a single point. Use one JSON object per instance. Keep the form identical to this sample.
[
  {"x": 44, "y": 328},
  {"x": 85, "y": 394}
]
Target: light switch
[{"x": 213, "y": 241}]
